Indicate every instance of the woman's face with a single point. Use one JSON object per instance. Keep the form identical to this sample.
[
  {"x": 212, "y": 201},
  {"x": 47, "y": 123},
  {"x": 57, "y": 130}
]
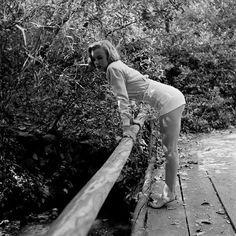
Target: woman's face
[{"x": 100, "y": 59}]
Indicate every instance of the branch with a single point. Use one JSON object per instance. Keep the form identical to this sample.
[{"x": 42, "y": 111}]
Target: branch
[{"x": 121, "y": 27}]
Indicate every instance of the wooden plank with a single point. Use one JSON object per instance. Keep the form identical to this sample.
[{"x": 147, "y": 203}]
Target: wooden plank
[
  {"x": 138, "y": 224},
  {"x": 204, "y": 211},
  {"x": 220, "y": 164},
  {"x": 166, "y": 221},
  {"x": 227, "y": 193}
]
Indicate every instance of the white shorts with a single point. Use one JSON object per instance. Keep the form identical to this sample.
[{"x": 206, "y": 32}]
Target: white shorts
[{"x": 162, "y": 97}]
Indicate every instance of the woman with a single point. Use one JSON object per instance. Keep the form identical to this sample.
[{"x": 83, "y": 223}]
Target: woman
[{"x": 128, "y": 83}]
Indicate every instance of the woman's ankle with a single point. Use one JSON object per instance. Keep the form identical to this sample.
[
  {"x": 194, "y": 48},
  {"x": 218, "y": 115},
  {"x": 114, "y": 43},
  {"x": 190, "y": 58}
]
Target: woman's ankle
[{"x": 167, "y": 192}]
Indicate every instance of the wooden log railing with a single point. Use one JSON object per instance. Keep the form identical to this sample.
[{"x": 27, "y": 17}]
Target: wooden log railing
[{"x": 78, "y": 216}]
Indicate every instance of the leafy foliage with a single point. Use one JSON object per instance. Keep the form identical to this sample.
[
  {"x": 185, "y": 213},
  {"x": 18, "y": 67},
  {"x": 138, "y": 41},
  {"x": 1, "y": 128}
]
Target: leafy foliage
[{"x": 59, "y": 121}]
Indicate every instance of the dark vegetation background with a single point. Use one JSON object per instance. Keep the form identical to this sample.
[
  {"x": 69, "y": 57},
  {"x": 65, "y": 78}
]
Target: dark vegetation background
[{"x": 59, "y": 121}]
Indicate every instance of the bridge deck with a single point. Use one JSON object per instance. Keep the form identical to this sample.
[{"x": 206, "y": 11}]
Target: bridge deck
[{"x": 206, "y": 203}]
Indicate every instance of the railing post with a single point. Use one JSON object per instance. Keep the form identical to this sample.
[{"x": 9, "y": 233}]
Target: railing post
[{"x": 138, "y": 221}]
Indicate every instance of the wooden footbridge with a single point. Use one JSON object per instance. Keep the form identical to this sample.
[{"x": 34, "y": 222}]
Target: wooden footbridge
[{"x": 206, "y": 191}]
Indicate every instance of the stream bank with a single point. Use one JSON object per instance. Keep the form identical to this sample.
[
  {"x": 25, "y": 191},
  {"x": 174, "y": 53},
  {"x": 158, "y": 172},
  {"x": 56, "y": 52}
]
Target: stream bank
[{"x": 67, "y": 166}]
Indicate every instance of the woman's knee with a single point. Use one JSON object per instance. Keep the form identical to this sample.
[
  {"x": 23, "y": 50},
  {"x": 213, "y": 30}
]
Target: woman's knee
[{"x": 170, "y": 151}]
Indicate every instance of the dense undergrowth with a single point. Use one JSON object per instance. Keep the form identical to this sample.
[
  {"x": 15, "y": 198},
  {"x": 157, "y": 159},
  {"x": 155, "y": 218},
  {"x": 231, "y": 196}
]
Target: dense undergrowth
[{"x": 59, "y": 121}]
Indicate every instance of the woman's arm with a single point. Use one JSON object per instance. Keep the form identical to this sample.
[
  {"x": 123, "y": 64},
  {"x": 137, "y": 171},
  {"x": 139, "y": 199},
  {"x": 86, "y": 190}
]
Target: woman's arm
[{"x": 118, "y": 84}]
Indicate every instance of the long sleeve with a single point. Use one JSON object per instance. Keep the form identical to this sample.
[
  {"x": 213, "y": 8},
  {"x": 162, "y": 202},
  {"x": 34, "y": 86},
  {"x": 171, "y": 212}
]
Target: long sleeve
[{"x": 118, "y": 84}]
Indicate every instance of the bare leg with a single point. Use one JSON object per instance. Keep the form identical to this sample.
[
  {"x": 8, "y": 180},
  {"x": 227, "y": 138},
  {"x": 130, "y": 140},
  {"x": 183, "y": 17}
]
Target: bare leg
[{"x": 170, "y": 125}]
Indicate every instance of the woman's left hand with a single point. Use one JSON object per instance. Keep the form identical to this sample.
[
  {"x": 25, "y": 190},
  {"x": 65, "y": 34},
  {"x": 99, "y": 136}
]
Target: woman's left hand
[{"x": 131, "y": 131}]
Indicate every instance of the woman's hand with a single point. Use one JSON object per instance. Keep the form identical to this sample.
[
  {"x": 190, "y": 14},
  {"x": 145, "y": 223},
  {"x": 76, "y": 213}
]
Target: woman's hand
[{"x": 131, "y": 131}]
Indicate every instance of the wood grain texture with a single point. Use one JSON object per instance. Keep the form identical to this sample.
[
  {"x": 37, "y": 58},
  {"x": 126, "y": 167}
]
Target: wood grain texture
[
  {"x": 204, "y": 211},
  {"x": 169, "y": 220}
]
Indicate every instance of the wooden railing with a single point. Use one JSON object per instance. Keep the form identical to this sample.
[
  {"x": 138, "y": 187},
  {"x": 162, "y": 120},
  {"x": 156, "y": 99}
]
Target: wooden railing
[{"x": 78, "y": 216}]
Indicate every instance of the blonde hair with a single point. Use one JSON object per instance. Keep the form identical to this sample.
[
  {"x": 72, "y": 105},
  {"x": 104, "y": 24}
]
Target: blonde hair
[{"x": 110, "y": 50}]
